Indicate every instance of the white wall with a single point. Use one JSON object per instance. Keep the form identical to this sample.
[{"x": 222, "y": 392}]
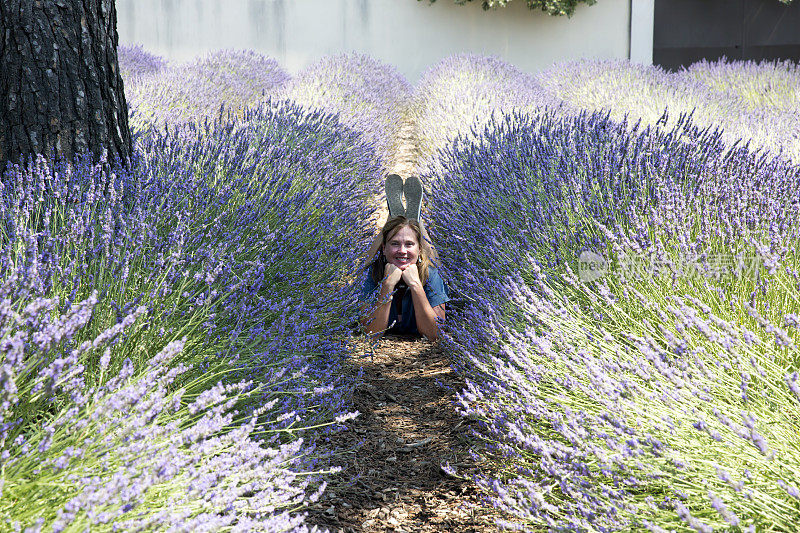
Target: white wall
[
  {"x": 409, "y": 34},
  {"x": 642, "y": 19}
]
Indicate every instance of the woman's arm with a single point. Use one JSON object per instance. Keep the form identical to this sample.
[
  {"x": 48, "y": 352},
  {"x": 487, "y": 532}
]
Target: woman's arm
[
  {"x": 425, "y": 314},
  {"x": 375, "y": 317}
]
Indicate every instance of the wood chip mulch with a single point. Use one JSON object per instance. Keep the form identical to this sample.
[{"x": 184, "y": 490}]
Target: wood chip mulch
[{"x": 391, "y": 478}]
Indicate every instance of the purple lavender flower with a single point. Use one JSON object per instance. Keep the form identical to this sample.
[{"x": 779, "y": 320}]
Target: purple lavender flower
[
  {"x": 225, "y": 80},
  {"x": 459, "y": 95},
  {"x": 368, "y": 96},
  {"x": 135, "y": 63},
  {"x": 612, "y": 387},
  {"x": 128, "y": 442},
  {"x": 751, "y": 101},
  {"x": 242, "y": 235}
]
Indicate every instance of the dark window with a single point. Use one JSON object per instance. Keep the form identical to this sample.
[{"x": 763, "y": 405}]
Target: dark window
[{"x": 686, "y": 31}]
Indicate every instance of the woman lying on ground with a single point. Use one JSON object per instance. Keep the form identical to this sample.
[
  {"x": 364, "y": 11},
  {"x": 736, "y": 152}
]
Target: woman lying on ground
[{"x": 412, "y": 294}]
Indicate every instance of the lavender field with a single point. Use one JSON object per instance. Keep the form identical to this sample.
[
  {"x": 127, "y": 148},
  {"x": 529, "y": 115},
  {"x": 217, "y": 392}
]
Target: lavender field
[{"x": 620, "y": 242}]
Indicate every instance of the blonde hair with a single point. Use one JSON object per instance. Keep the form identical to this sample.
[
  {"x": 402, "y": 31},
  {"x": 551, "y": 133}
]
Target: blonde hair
[{"x": 390, "y": 229}]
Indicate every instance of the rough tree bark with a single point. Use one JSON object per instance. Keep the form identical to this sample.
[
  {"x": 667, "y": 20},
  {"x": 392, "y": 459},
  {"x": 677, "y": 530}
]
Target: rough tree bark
[{"x": 61, "y": 92}]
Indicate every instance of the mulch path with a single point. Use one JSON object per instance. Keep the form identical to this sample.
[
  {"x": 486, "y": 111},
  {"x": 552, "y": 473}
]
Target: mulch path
[{"x": 391, "y": 478}]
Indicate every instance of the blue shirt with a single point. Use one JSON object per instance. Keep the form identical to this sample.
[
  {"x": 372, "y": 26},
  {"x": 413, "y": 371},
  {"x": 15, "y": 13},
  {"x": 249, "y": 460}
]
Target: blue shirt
[{"x": 435, "y": 291}]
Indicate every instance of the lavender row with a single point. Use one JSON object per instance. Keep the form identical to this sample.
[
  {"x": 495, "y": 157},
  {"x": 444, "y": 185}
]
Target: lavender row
[
  {"x": 754, "y": 102},
  {"x": 136, "y": 64},
  {"x": 750, "y": 101},
  {"x": 626, "y": 319},
  {"x": 368, "y": 96},
  {"x": 758, "y": 85},
  {"x": 459, "y": 95},
  {"x": 138, "y": 451},
  {"x": 230, "y": 244},
  {"x": 223, "y": 81}
]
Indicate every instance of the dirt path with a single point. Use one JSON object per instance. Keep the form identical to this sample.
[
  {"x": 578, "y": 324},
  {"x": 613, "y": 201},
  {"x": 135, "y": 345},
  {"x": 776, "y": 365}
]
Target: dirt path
[
  {"x": 402, "y": 163},
  {"x": 392, "y": 477}
]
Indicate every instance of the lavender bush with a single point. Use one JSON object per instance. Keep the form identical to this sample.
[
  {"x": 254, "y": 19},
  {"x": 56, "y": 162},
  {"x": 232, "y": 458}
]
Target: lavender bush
[
  {"x": 135, "y": 451},
  {"x": 768, "y": 91},
  {"x": 368, "y": 96},
  {"x": 622, "y": 87},
  {"x": 646, "y": 92},
  {"x": 460, "y": 94},
  {"x": 237, "y": 239},
  {"x": 759, "y": 85},
  {"x": 229, "y": 79},
  {"x": 657, "y": 389},
  {"x": 136, "y": 64},
  {"x": 211, "y": 217},
  {"x": 284, "y": 195}
]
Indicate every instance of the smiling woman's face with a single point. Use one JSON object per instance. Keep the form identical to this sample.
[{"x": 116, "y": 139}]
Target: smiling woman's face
[{"x": 402, "y": 248}]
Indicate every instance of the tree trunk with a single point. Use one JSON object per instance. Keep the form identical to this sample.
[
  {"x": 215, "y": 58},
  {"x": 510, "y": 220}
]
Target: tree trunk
[{"x": 61, "y": 92}]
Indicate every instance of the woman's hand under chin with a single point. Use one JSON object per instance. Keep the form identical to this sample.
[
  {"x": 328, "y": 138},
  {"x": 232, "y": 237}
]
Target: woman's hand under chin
[
  {"x": 393, "y": 275},
  {"x": 411, "y": 275}
]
